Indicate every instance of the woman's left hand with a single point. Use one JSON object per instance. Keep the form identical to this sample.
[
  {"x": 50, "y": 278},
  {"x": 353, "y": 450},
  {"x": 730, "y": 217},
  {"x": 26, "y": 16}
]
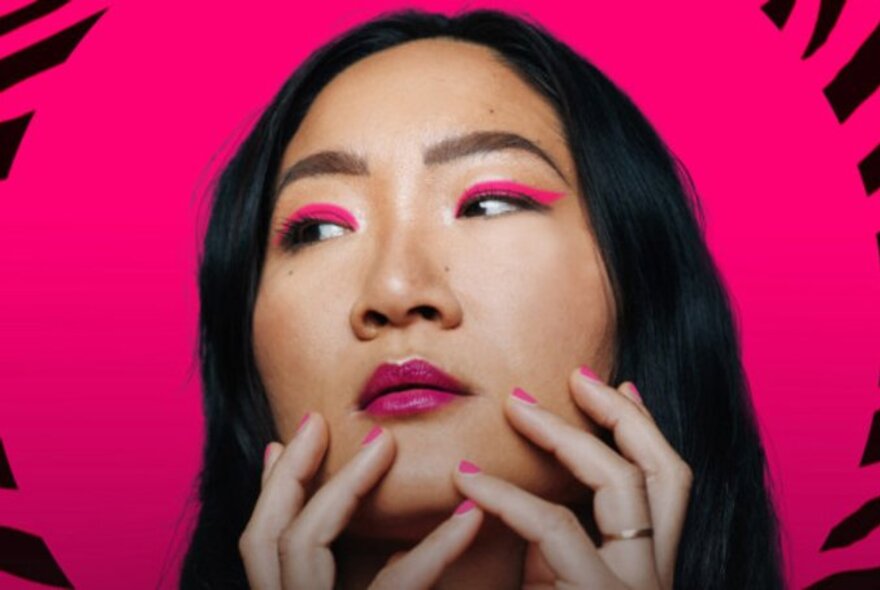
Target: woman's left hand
[{"x": 645, "y": 486}]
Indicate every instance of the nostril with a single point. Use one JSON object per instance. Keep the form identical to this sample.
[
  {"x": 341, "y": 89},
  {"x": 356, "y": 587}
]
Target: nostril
[
  {"x": 376, "y": 318},
  {"x": 428, "y": 312}
]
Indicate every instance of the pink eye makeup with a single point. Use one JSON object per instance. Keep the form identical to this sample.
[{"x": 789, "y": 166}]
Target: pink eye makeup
[
  {"x": 291, "y": 234},
  {"x": 507, "y": 190}
]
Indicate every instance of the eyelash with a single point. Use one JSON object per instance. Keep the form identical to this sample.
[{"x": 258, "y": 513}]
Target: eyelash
[
  {"x": 290, "y": 232},
  {"x": 521, "y": 200}
]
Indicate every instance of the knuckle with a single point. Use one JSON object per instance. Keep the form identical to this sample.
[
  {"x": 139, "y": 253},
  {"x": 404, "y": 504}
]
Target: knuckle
[
  {"x": 683, "y": 474},
  {"x": 629, "y": 476},
  {"x": 246, "y": 543},
  {"x": 562, "y": 519},
  {"x": 291, "y": 541}
]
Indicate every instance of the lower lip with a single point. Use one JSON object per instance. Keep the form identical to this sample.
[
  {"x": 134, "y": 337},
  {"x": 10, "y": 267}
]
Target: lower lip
[{"x": 409, "y": 401}]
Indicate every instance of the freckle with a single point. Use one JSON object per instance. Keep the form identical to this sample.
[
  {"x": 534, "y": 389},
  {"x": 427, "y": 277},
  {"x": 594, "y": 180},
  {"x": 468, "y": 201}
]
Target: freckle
[
  {"x": 446, "y": 268},
  {"x": 491, "y": 111}
]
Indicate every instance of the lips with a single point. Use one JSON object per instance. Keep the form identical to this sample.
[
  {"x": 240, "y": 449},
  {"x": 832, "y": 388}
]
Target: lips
[{"x": 420, "y": 374}]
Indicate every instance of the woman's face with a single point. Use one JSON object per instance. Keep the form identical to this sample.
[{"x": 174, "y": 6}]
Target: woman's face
[{"x": 497, "y": 294}]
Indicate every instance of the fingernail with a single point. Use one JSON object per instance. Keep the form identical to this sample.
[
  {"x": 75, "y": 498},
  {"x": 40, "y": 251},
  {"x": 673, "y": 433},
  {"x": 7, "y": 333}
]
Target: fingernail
[
  {"x": 376, "y": 431},
  {"x": 266, "y": 453},
  {"x": 465, "y": 506},
  {"x": 302, "y": 422},
  {"x": 586, "y": 372},
  {"x": 467, "y": 467},
  {"x": 523, "y": 396},
  {"x": 635, "y": 392}
]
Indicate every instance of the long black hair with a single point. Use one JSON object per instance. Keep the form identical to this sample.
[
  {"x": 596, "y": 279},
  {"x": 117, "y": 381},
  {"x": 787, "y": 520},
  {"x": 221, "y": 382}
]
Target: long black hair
[{"x": 676, "y": 336}]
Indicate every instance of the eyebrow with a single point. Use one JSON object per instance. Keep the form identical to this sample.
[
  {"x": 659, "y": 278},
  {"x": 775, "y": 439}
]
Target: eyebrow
[
  {"x": 330, "y": 162},
  {"x": 446, "y": 150},
  {"x": 480, "y": 142}
]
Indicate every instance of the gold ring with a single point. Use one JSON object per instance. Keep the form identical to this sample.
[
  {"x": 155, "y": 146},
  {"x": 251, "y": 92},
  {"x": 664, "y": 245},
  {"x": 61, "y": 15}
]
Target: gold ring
[{"x": 627, "y": 534}]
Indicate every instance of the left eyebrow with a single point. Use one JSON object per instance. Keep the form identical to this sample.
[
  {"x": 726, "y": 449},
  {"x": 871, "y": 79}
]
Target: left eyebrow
[{"x": 480, "y": 142}]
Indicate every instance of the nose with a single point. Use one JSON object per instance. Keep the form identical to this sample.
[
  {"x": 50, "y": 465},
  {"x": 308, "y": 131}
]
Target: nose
[{"x": 405, "y": 284}]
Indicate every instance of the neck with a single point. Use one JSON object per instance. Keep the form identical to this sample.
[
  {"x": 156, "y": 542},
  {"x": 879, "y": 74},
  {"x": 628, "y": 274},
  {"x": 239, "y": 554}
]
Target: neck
[{"x": 494, "y": 559}]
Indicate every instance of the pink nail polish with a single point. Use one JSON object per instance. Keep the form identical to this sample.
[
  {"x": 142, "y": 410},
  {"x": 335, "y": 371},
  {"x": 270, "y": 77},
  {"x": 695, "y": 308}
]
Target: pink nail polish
[
  {"x": 586, "y": 372},
  {"x": 302, "y": 422},
  {"x": 468, "y": 467},
  {"x": 632, "y": 388},
  {"x": 376, "y": 431},
  {"x": 266, "y": 453},
  {"x": 523, "y": 396},
  {"x": 465, "y": 506}
]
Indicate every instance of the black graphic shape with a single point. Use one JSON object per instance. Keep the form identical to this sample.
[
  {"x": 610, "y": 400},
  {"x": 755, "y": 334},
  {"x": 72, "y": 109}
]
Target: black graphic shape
[
  {"x": 850, "y": 580},
  {"x": 11, "y": 134},
  {"x": 869, "y": 168},
  {"x": 24, "y": 15},
  {"x": 854, "y": 527},
  {"x": 44, "y": 54},
  {"x": 778, "y": 11},
  {"x": 829, "y": 12},
  {"x": 872, "y": 449},
  {"x": 6, "y": 479},
  {"x": 26, "y": 556},
  {"x": 857, "y": 80}
]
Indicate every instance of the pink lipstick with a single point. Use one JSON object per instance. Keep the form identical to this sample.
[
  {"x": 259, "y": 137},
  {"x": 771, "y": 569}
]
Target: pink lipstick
[
  {"x": 409, "y": 388},
  {"x": 409, "y": 401}
]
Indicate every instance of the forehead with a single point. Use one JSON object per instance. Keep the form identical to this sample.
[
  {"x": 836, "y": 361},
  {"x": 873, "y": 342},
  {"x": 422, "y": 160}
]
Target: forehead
[{"x": 420, "y": 92}]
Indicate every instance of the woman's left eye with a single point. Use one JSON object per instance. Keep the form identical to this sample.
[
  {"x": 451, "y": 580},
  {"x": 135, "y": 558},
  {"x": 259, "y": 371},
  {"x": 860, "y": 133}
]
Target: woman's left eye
[{"x": 496, "y": 204}]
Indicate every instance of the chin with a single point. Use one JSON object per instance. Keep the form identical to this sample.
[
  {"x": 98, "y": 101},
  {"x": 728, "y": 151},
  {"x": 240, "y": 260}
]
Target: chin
[{"x": 406, "y": 505}]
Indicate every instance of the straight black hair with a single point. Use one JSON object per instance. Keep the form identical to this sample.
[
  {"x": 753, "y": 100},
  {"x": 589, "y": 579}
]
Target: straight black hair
[{"x": 676, "y": 336}]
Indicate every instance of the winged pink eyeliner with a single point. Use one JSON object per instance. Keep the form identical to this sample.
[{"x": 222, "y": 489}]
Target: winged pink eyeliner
[{"x": 508, "y": 186}]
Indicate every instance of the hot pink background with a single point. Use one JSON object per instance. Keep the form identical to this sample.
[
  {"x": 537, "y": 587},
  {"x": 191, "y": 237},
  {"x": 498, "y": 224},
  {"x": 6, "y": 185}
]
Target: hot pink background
[{"x": 100, "y": 409}]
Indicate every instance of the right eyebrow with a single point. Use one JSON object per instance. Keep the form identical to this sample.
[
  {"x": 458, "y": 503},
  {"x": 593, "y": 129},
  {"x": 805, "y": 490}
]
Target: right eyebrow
[{"x": 328, "y": 162}]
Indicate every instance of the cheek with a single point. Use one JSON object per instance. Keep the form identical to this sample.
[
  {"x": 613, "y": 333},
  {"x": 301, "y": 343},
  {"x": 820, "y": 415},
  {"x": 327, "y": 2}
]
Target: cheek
[
  {"x": 542, "y": 307},
  {"x": 541, "y": 290},
  {"x": 288, "y": 348}
]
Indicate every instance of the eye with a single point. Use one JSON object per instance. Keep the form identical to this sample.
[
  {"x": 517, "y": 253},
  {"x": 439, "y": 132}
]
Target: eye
[
  {"x": 308, "y": 230},
  {"x": 498, "y": 204}
]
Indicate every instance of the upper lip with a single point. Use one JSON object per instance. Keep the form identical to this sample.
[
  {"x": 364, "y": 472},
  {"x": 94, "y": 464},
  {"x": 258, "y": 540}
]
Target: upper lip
[{"x": 412, "y": 373}]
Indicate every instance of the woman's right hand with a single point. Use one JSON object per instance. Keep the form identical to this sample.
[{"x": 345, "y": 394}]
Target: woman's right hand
[{"x": 286, "y": 543}]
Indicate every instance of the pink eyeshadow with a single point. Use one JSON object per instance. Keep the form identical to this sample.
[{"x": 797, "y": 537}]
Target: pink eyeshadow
[
  {"x": 323, "y": 211},
  {"x": 508, "y": 187}
]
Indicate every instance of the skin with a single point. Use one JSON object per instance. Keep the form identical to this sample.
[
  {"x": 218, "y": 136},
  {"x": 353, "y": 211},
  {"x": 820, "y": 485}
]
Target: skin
[{"x": 516, "y": 298}]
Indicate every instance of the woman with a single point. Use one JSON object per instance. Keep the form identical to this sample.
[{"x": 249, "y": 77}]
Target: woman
[{"x": 448, "y": 401}]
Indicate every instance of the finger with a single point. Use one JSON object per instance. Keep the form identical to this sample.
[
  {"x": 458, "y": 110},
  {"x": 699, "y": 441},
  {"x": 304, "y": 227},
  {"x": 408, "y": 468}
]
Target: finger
[
  {"x": 270, "y": 457},
  {"x": 565, "y": 546},
  {"x": 537, "y": 573},
  {"x": 667, "y": 477},
  {"x": 274, "y": 449},
  {"x": 423, "y": 565},
  {"x": 280, "y": 499},
  {"x": 396, "y": 557},
  {"x": 304, "y": 545},
  {"x": 629, "y": 390},
  {"x": 620, "y": 501}
]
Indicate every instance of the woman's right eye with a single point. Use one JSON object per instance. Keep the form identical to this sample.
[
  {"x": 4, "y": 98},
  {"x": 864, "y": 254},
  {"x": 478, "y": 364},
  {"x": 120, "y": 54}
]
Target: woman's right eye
[{"x": 307, "y": 231}]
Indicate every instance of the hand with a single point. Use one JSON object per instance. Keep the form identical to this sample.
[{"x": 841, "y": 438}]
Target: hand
[
  {"x": 286, "y": 545},
  {"x": 646, "y": 487}
]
